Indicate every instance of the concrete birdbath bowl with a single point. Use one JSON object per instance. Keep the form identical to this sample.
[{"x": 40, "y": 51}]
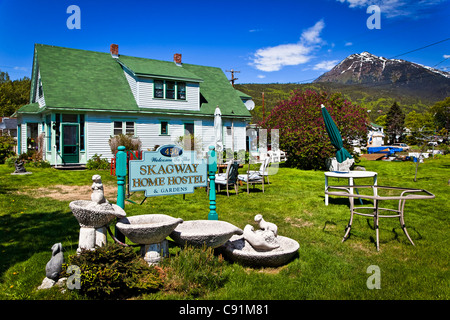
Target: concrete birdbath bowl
[
  {"x": 212, "y": 233},
  {"x": 93, "y": 218},
  {"x": 148, "y": 228},
  {"x": 93, "y": 215},
  {"x": 239, "y": 250}
]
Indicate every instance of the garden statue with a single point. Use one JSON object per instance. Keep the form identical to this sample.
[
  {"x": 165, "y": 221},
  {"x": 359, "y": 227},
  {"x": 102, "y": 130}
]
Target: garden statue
[
  {"x": 19, "y": 167},
  {"x": 97, "y": 195},
  {"x": 264, "y": 225},
  {"x": 260, "y": 240},
  {"x": 54, "y": 266}
]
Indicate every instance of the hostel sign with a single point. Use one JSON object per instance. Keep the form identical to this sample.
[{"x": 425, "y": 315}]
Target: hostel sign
[{"x": 168, "y": 170}]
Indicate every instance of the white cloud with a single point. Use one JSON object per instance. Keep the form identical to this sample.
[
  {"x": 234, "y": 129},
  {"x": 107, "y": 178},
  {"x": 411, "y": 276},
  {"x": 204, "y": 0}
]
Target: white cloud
[
  {"x": 21, "y": 68},
  {"x": 396, "y": 8},
  {"x": 446, "y": 56},
  {"x": 274, "y": 58},
  {"x": 347, "y": 44},
  {"x": 326, "y": 65},
  {"x": 312, "y": 35},
  {"x": 261, "y": 76}
]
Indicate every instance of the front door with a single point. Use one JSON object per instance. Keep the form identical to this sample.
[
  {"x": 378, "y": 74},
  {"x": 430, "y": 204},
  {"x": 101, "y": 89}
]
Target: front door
[{"x": 70, "y": 148}]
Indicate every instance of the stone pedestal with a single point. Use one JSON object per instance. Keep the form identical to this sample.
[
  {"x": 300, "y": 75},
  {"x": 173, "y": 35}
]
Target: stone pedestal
[
  {"x": 153, "y": 253},
  {"x": 91, "y": 237}
]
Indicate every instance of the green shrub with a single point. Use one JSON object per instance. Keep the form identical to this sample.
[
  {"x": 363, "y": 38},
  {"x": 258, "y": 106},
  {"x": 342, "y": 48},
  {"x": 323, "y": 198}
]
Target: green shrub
[
  {"x": 114, "y": 271},
  {"x": 10, "y": 161},
  {"x": 126, "y": 140},
  {"x": 97, "y": 162},
  {"x": 194, "y": 271},
  {"x": 40, "y": 164},
  {"x": 6, "y": 147}
]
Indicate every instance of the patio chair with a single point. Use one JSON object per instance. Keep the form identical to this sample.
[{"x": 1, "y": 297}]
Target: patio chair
[
  {"x": 229, "y": 178},
  {"x": 252, "y": 177},
  {"x": 263, "y": 169}
]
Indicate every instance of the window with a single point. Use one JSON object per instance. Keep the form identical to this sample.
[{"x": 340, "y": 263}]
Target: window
[
  {"x": 82, "y": 132},
  {"x": 69, "y": 118},
  {"x": 159, "y": 89},
  {"x": 57, "y": 131},
  {"x": 123, "y": 127},
  {"x": 170, "y": 90},
  {"x": 48, "y": 122},
  {"x": 181, "y": 91},
  {"x": 129, "y": 129},
  {"x": 117, "y": 127},
  {"x": 164, "y": 128},
  {"x": 189, "y": 127},
  {"x": 40, "y": 92}
]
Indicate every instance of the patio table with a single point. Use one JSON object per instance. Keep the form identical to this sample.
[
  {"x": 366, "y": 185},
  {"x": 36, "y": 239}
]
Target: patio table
[
  {"x": 406, "y": 194},
  {"x": 351, "y": 175}
]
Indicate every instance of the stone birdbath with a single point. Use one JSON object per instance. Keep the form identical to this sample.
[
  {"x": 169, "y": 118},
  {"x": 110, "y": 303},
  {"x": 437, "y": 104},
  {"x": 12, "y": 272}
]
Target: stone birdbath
[
  {"x": 93, "y": 217},
  {"x": 262, "y": 247},
  {"x": 212, "y": 233},
  {"x": 150, "y": 231}
]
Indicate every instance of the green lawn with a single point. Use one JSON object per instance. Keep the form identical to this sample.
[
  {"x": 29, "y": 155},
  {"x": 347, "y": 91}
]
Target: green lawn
[{"x": 326, "y": 268}]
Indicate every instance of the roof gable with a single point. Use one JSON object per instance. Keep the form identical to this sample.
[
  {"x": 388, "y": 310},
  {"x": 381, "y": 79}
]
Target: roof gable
[{"x": 82, "y": 79}]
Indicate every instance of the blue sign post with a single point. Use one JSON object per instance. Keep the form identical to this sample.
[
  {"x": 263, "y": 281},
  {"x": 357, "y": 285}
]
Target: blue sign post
[
  {"x": 212, "y": 168},
  {"x": 121, "y": 173}
]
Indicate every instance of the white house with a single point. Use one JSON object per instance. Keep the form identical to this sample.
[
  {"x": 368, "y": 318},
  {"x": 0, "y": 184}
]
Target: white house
[
  {"x": 79, "y": 99},
  {"x": 375, "y": 137}
]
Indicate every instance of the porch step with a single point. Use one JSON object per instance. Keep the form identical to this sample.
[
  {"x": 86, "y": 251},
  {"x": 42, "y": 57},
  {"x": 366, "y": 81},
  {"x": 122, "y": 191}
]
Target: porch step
[{"x": 72, "y": 166}]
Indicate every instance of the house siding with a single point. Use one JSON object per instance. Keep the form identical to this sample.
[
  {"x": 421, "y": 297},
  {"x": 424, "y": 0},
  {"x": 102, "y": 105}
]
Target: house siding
[
  {"x": 131, "y": 82},
  {"x": 98, "y": 131}
]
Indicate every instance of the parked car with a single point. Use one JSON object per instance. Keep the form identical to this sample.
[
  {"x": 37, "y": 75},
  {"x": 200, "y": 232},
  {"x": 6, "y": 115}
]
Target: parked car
[{"x": 404, "y": 146}]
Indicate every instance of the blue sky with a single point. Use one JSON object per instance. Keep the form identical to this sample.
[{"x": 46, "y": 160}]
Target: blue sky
[{"x": 267, "y": 41}]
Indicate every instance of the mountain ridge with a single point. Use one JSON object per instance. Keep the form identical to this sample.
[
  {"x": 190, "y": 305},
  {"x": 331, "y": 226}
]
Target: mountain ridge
[{"x": 369, "y": 70}]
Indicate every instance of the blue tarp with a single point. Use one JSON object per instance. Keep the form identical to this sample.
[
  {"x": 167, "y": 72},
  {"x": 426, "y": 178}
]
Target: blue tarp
[{"x": 384, "y": 149}]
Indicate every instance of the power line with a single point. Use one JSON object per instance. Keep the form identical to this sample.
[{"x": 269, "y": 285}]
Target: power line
[{"x": 432, "y": 44}]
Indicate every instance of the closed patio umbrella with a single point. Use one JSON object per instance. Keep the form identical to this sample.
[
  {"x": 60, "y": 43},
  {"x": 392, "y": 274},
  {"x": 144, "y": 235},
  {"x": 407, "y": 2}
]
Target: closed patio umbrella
[
  {"x": 335, "y": 136},
  {"x": 218, "y": 130}
]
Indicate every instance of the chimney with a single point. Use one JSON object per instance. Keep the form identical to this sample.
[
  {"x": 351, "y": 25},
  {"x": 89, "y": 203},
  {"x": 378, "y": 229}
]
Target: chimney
[
  {"x": 114, "y": 49},
  {"x": 177, "y": 59}
]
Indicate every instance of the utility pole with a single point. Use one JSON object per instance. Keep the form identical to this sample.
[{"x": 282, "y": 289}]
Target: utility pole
[{"x": 232, "y": 76}]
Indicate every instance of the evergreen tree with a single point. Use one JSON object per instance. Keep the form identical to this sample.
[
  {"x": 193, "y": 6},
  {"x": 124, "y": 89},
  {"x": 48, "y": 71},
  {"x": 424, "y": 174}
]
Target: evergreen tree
[
  {"x": 13, "y": 94},
  {"x": 395, "y": 121}
]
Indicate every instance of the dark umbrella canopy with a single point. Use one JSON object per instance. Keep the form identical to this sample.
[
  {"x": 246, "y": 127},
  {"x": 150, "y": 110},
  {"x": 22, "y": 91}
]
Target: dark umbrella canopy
[{"x": 335, "y": 137}]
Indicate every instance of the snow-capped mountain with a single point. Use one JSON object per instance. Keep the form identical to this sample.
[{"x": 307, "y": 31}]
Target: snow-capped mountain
[{"x": 369, "y": 70}]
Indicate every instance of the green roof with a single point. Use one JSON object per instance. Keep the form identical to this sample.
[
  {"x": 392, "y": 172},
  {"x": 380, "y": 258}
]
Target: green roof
[
  {"x": 157, "y": 68},
  {"x": 28, "y": 108},
  {"x": 74, "y": 79}
]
